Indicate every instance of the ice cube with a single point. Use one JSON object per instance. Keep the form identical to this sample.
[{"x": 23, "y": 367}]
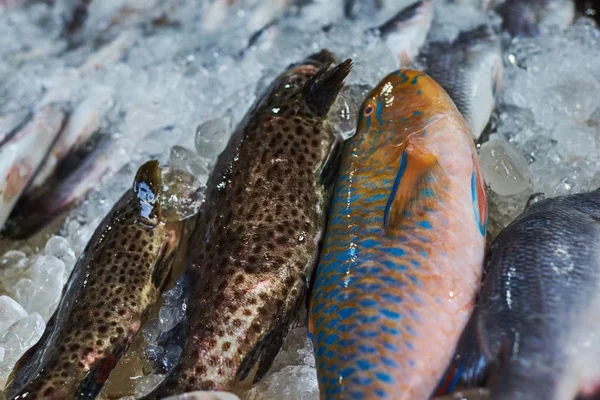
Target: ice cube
[
  {"x": 2, "y": 353},
  {"x": 60, "y": 248},
  {"x": 10, "y": 312},
  {"x": 169, "y": 316},
  {"x": 212, "y": 137},
  {"x": 204, "y": 396},
  {"x": 504, "y": 167},
  {"x": 47, "y": 280},
  {"x": 292, "y": 382},
  {"x": 17, "y": 340},
  {"x": 152, "y": 331},
  {"x": 182, "y": 195},
  {"x": 343, "y": 116},
  {"x": 146, "y": 384},
  {"x": 186, "y": 160}
]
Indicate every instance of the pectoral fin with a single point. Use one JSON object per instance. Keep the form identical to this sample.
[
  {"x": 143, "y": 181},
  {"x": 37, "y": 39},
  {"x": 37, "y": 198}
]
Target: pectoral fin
[
  {"x": 415, "y": 186},
  {"x": 479, "y": 197}
]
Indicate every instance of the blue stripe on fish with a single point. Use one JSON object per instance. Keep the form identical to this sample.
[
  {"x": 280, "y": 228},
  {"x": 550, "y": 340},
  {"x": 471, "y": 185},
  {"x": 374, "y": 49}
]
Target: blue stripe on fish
[
  {"x": 394, "y": 189},
  {"x": 482, "y": 225}
]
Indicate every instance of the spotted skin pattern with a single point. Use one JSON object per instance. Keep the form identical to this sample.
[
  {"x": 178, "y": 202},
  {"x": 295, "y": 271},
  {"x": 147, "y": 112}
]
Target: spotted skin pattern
[
  {"x": 389, "y": 302},
  {"x": 256, "y": 240},
  {"x": 107, "y": 299}
]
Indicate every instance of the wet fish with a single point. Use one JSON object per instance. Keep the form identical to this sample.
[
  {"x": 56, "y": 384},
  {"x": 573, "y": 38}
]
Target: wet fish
[
  {"x": 539, "y": 303},
  {"x": 11, "y": 122},
  {"x": 405, "y": 33},
  {"x": 22, "y": 155},
  {"x": 402, "y": 256},
  {"x": 35, "y": 212},
  {"x": 470, "y": 70},
  {"x": 106, "y": 300},
  {"x": 257, "y": 236},
  {"x": 82, "y": 123},
  {"x": 525, "y": 17},
  {"x": 470, "y": 394}
]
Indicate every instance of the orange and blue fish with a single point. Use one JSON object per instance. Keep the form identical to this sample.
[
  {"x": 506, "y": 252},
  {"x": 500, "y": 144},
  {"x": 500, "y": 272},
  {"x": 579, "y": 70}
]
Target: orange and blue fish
[{"x": 402, "y": 256}]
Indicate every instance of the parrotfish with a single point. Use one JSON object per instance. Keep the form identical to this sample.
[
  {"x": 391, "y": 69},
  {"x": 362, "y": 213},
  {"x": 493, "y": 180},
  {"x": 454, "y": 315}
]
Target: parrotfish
[
  {"x": 403, "y": 252},
  {"x": 538, "y": 314},
  {"x": 106, "y": 300},
  {"x": 23, "y": 153},
  {"x": 258, "y": 231},
  {"x": 470, "y": 70}
]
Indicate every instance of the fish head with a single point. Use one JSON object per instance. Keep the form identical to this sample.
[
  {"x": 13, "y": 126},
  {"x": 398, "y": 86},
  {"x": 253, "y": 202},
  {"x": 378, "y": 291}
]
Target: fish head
[
  {"x": 402, "y": 102},
  {"x": 307, "y": 89}
]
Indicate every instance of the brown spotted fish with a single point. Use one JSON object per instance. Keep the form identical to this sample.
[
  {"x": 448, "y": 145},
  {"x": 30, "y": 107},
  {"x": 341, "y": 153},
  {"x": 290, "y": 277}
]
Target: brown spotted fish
[
  {"x": 256, "y": 240},
  {"x": 106, "y": 300}
]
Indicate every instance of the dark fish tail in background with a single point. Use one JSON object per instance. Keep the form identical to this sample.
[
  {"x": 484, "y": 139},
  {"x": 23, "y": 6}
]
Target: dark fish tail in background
[
  {"x": 470, "y": 70},
  {"x": 257, "y": 236},
  {"x": 538, "y": 312},
  {"x": 406, "y": 32},
  {"x": 106, "y": 300},
  {"x": 354, "y": 9},
  {"x": 525, "y": 17}
]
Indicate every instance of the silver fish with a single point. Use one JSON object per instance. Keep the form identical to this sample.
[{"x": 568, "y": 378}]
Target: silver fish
[
  {"x": 11, "y": 122},
  {"x": 22, "y": 155},
  {"x": 470, "y": 70},
  {"x": 405, "y": 32},
  {"x": 525, "y": 17}
]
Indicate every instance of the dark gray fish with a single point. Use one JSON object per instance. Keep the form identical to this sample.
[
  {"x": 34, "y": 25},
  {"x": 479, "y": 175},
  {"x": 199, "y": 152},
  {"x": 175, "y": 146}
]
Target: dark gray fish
[
  {"x": 470, "y": 70},
  {"x": 540, "y": 302},
  {"x": 525, "y": 17},
  {"x": 354, "y": 9},
  {"x": 106, "y": 300},
  {"x": 256, "y": 240}
]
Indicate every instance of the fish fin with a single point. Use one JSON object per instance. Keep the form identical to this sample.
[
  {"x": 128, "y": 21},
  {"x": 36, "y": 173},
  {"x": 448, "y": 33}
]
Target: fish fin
[
  {"x": 469, "y": 366},
  {"x": 331, "y": 166},
  {"x": 415, "y": 183},
  {"x": 478, "y": 191},
  {"x": 321, "y": 90},
  {"x": 258, "y": 361},
  {"x": 147, "y": 186},
  {"x": 94, "y": 380},
  {"x": 26, "y": 366}
]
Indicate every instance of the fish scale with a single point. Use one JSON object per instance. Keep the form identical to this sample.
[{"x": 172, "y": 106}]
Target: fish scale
[
  {"x": 391, "y": 296},
  {"x": 256, "y": 240}
]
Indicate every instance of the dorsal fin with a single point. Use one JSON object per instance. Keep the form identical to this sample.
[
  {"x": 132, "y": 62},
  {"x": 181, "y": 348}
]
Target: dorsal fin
[
  {"x": 147, "y": 187},
  {"x": 321, "y": 90}
]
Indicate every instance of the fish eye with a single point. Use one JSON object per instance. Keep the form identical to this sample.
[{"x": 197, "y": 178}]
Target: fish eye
[{"x": 368, "y": 110}]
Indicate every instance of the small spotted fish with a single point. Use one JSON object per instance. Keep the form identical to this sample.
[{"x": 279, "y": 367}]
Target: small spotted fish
[
  {"x": 256, "y": 240},
  {"x": 402, "y": 256},
  {"x": 106, "y": 300}
]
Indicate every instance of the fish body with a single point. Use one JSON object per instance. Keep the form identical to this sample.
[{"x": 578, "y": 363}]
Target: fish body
[
  {"x": 257, "y": 236},
  {"x": 405, "y": 32},
  {"x": 401, "y": 259},
  {"x": 106, "y": 300},
  {"x": 539, "y": 304},
  {"x": 354, "y": 9},
  {"x": 23, "y": 153},
  {"x": 82, "y": 123},
  {"x": 10, "y": 122},
  {"x": 470, "y": 70}
]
